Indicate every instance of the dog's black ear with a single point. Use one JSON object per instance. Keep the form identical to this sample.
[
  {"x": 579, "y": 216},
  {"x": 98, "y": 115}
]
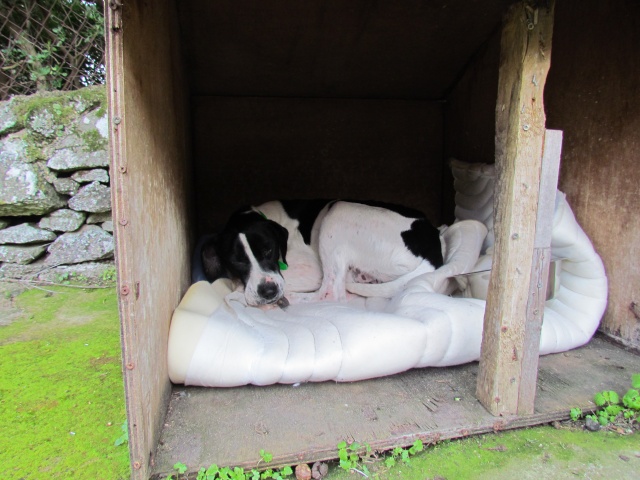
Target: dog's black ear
[
  {"x": 211, "y": 263},
  {"x": 282, "y": 235}
]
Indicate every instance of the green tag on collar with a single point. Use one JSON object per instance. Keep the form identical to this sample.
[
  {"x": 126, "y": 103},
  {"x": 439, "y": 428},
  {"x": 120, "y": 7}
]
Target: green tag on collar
[
  {"x": 262, "y": 214},
  {"x": 282, "y": 265}
]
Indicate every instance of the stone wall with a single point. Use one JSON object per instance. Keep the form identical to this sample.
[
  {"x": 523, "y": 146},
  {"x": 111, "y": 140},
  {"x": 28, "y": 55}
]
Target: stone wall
[{"x": 55, "y": 199}]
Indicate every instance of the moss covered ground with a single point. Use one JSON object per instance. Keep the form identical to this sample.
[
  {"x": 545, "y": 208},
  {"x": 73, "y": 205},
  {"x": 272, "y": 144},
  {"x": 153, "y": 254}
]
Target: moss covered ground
[
  {"x": 61, "y": 390},
  {"x": 539, "y": 453}
]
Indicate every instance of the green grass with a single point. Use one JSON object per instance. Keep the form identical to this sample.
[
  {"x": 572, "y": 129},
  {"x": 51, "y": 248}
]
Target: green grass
[
  {"x": 531, "y": 453},
  {"x": 61, "y": 390}
]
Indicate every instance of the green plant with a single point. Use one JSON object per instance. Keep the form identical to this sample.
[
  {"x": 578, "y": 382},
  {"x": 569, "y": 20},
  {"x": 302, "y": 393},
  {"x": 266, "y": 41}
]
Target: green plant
[
  {"x": 109, "y": 275},
  {"x": 266, "y": 456},
  {"x": 124, "y": 438},
  {"x": 63, "y": 278},
  {"x": 353, "y": 455},
  {"x": 575, "y": 414},
  {"x": 611, "y": 408},
  {"x": 214, "y": 472},
  {"x": 403, "y": 454},
  {"x": 51, "y": 44}
]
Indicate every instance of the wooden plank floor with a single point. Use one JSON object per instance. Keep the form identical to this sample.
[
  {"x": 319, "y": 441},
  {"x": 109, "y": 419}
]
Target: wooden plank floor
[{"x": 305, "y": 423}]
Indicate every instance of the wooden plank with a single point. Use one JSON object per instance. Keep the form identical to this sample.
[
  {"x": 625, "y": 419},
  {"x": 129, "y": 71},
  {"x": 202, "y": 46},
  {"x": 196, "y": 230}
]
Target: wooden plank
[
  {"x": 540, "y": 268},
  {"x": 593, "y": 94},
  {"x": 549, "y": 173},
  {"x": 229, "y": 426},
  {"x": 384, "y": 149},
  {"x": 338, "y": 49},
  {"x": 150, "y": 198},
  {"x": 520, "y": 124}
]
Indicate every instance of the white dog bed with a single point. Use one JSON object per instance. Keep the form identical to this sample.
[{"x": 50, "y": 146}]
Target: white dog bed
[{"x": 217, "y": 340}]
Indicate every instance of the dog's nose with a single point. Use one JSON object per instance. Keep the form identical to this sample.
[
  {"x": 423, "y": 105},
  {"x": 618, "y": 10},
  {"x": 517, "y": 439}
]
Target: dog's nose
[{"x": 268, "y": 290}]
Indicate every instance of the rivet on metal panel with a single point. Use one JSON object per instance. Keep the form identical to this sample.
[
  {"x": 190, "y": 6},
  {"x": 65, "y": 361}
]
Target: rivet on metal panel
[
  {"x": 123, "y": 221},
  {"x": 137, "y": 465},
  {"x": 130, "y": 366},
  {"x": 122, "y": 169},
  {"x": 526, "y": 127},
  {"x": 117, "y": 120},
  {"x": 124, "y": 290}
]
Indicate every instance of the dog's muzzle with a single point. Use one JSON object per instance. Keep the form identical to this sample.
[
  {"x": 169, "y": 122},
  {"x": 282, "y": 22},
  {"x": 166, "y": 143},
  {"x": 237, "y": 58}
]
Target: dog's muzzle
[{"x": 269, "y": 291}]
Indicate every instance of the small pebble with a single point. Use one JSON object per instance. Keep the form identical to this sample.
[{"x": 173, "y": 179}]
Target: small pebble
[
  {"x": 303, "y": 472},
  {"x": 319, "y": 470},
  {"x": 592, "y": 425}
]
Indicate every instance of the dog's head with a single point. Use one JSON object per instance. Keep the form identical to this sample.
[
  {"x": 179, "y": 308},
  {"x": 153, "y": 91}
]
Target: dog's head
[{"x": 249, "y": 250}]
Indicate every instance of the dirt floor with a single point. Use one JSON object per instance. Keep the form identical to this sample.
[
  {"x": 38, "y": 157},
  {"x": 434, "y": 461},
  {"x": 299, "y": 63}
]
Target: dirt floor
[{"x": 564, "y": 451}]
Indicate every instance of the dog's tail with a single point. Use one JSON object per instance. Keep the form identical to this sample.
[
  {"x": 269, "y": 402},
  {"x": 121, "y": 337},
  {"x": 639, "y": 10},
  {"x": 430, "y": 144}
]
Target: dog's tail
[{"x": 388, "y": 289}]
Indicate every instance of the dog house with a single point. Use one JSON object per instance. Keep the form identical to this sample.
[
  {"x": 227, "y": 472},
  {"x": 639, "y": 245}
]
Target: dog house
[{"x": 218, "y": 104}]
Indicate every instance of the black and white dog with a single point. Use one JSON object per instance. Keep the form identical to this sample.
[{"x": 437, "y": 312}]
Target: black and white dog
[{"x": 311, "y": 250}]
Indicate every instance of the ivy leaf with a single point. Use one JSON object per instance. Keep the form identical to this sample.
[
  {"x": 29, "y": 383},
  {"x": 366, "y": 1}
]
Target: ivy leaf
[
  {"x": 599, "y": 399},
  {"x": 613, "y": 411},
  {"x": 212, "y": 471},
  {"x": 266, "y": 456},
  {"x": 575, "y": 414},
  {"x": 417, "y": 446},
  {"x": 345, "y": 464},
  {"x": 286, "y": 471},
  {"x": 612, "y": 397},
  {"x": 343, "y": 455},
  {"x": 180, "y": 467}
]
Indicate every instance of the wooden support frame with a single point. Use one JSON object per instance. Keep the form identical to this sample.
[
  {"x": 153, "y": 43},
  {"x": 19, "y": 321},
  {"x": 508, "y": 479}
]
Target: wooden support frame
[
  {"x": 150, "y": 181},
  {"x": 510, "y": 345}
]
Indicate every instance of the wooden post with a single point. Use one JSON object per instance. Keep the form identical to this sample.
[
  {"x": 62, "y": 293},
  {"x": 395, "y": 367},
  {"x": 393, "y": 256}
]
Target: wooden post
[{"x": 506, "y": 376}]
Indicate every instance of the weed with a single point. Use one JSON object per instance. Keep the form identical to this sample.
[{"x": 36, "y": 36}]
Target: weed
[
  {"x": 214, "y": 472},
  {"x": 611, "y": 408},
  {"x": 109, "y": 275},
  {"x": 63, "y": 278},
  {"x": 124, "y": 438},
  {"x": 403, "y": 454},
  {"x": 353, "y": 456}
]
